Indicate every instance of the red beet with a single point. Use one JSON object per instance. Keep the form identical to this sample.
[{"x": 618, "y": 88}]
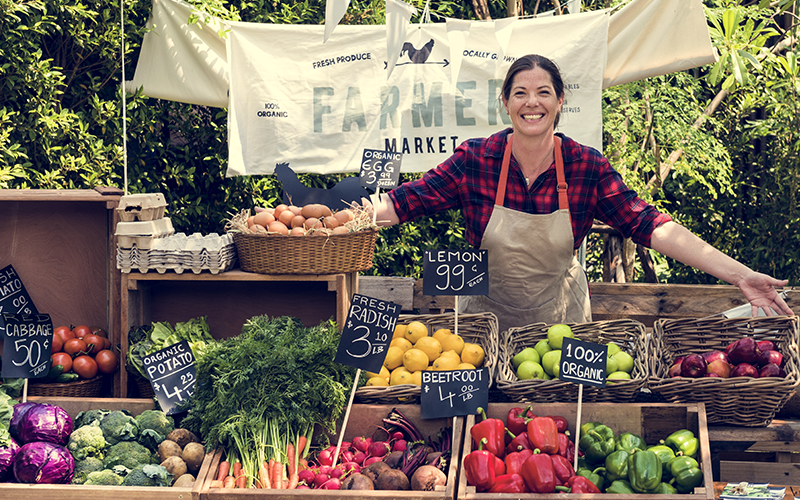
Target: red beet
[
  {"x": 693, "y": 366},
  {"x": 744, "y": 350},
  {"x": 744, "y": 370}
]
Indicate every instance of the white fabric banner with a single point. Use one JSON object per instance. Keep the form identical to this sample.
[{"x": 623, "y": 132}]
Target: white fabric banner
[{"x": 318, "y": 107}]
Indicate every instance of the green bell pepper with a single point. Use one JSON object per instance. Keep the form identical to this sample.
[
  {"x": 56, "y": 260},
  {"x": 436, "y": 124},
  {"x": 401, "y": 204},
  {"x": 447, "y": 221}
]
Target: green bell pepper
[
  {"x": 683, "y": 442},
  {"x": 597, "y": 443},
  {"x": 686, "y": 473},
  {"x": 593, "y": 476},
  {"x": 664, "y": 489},
  {"x": 628, "y": 441},
  {"x": 617, "y": 465},
  {"x": 620, "y": 487},
  {"x": 666, "y": 454},
  {"x": 644, "y": 471}
]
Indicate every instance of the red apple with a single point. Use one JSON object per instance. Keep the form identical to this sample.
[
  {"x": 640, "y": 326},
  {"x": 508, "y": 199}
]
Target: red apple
[
  {"x": 766, "y": 345},
  {"x": 693, "y": 366},
  {"x": 710, "y": 356},
  {"x": 769, "y": 370},
  {"x": 719, "y": 368},
  {"x": 708, "y": 374},
  {"x": 744, "y": 370},
  {"x": 768, "y": 357},
  {"x": 744, "y": 350},
  {"x": 674, "y": 370}
]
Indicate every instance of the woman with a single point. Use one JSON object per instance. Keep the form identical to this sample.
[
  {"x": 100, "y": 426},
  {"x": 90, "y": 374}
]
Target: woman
[{"x": 529, "y": 196}]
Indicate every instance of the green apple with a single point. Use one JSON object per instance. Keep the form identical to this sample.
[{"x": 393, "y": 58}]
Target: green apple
[
  {"x": 527, "y": 354},
  {"x": 550, "y": 360},
  {"x": 613, "y": 348},
  {"x": 624, "y": 361},
  {"x": 529, "y": 370},
  {"x": 545, "y": 376},
  {"x": 556, "y": 334},
  {"x": 542, "y": 347},
  {"x": 618, "y": 376},
  {"x": 611, "y": 364}
]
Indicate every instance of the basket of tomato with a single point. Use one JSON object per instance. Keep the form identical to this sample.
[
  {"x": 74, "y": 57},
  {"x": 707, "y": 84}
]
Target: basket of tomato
[{"x": 81, "y": 358}]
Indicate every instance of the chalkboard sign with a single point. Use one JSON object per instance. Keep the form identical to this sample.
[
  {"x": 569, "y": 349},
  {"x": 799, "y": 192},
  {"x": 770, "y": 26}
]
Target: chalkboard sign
[
  {"x": 583, "y": 362},
  {"x": 453, "y": 393},
  {"x": 13, "y": 296},
  {"x": 367, "y": 333},
  {"x": 172, "y": 374},
  {"x": 380, "y": 169},
  {"x": 455, "y": 272},
  {"x": 27, "y": 343}
]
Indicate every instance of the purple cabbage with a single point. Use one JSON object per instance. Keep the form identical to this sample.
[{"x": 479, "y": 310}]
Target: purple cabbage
[
  {"x": 44, "y": 463},
  {"x": 45, "y": 422},
  {"x": 20, "y": 409},
  {"x": 7, "y": 454}
]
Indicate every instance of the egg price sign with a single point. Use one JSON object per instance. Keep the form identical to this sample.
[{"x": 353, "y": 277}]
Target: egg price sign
[
  {"x": 14, "y": 297},
  {"x": 455, "y": 272},
  {"x": 367, "y": 333},
  {"x": 172, "y": 374},
  {"x": 380, "y": 169},
  {"x": 583, "y": 362},
  {"x": 27, "y": 344},
  {"x": 453, "y": 393}
]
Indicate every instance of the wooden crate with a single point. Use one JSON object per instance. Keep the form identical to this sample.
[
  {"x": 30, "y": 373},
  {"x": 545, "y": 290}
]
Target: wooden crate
[
  {"x": 73, "y": 406},
  {"x": 652, "y": 422},
  {"x": 363, "y": 422}
]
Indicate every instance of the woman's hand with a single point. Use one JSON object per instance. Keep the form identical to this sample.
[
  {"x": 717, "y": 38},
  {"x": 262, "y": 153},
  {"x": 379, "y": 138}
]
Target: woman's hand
[{"x": 759, "y": 290}]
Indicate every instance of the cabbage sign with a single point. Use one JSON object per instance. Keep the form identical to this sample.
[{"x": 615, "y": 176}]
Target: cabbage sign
[{"x": 27, "y": 345}]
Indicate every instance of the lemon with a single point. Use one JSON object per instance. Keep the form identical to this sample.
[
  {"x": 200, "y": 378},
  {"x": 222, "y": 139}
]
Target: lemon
[
  {"x": 402, "y": 343},
  {"x": 416, "y": 377},
  {"x": 400, "y": 376},
  {"x": 429, "y": 346},
  {"x": 453, "y": 343},
  {"x": 445, "y": 363},
  {"x": 377, "y": 382},
  {"x": 452, "y": 354},
  {"x": 473, "y": 354},
  {"x": 465, "y": 366},
  {"x": 415, "y": 359},
  {"x": 384, "y": 373},
  {"x": 399, "y": 331},
  {"x": 416, "y": 330},
  {"x": 394, "y": 357},
  {"x": 441, "y": 333}
]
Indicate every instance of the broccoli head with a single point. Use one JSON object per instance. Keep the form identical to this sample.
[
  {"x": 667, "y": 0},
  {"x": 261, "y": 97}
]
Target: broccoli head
[
  {"x": 128, "y": 453},
  {"x": 104, "y": 477},
  {"x": 118, "y": 426},
  {"x": 155, "y": 420},
  {"x": 89, "y": 416},
  {"x": 87, "y": 441},
  {"x": 148, "y": 475},
  {"x": 84, "y": 467}
]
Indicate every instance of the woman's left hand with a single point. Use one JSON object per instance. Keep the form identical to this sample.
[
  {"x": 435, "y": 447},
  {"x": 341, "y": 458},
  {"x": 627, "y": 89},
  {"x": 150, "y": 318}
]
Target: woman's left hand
[{"x": 759, "y": 290}]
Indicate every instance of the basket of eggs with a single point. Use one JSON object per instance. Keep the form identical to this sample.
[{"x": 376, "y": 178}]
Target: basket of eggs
[{"x": 312, "y": 239}]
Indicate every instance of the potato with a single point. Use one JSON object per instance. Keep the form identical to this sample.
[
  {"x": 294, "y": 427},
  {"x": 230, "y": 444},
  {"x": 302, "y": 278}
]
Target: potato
[
  {"x": 185, "y": 481},
  {"x": 169, "y": 448},
  {"x": 193, "y": 455},
  {"x": 182, "y": 437},
  {"x": 175, "y": 466}
]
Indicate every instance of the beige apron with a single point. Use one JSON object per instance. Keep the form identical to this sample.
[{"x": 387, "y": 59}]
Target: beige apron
[{"x": 533, "y": 273}]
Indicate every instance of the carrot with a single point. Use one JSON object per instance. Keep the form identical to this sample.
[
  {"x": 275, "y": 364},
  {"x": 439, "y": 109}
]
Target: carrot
[
  {"x": 263, "y": 476},
  {"x": 290, "y": 459},
  {"x": 294, "y": 480},
  {"x": 241, "y": 480},
  {"x": 228, "y": 482},
  {"x": 277, "y": 475},
  {"x": 301, "y": 445},
  {"x": 237, "y": 468},
  {"x": 224, "y": 468}
]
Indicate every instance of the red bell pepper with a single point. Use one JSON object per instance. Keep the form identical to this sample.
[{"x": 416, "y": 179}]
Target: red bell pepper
[
  {"x": 516, "y": 419},
  {"x": 543, "y": 434},
  {"x": 538, "y": 473},
  {"x": 509, "y": 483},
  {"x": 499, "y": 466},
  {"x": 518, "y": 443},
  {"x": 479, "y": 468},
  {"x": 561, "y": 423},
  {"x": 515, "y": 460},
  {"x": 494, "y": 430},
  {"x": 566, "y": 448},
  {"x": 580, "y": 484},
  {"x": 562, "y": 468}
]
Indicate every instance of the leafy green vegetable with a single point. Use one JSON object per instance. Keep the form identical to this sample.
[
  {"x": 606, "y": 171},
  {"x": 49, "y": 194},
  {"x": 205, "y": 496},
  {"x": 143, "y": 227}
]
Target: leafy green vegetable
[
  {"x": 6, "y": 412},
  {"x": 147, "y": 340}
]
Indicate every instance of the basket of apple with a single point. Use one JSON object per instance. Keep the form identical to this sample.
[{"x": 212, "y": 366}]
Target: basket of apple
[{"x": 743, "y": 369}]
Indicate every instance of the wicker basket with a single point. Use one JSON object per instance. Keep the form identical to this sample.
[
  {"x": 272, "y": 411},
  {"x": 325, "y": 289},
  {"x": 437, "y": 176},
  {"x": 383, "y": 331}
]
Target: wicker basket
[
  {"x": 628, "y": 334},
  {"x": 144, "y": 388},
  {"x": 478, "y": 329},
  {"x": 277, "y": 254},
  {"x": 88, "y": 388},
  {"x": 744, "y": 401}
]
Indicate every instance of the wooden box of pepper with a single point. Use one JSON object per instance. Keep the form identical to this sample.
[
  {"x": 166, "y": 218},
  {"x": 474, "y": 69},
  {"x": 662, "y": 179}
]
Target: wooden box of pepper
[{"x": 522, "y": 451}]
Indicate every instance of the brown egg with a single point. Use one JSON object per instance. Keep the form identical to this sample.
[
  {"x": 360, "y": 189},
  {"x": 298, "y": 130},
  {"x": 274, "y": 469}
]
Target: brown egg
[
  {"x": 297, "y": 231},
  {"x": 270, "y": 210},
  {"x": 258, "y": 229},
  {"x": 250, "y": 220},
  {"x": 323, "y": 232},
  {"x": 312, "y": 210},
  {"x": 298, "y": 221},
  {"x": 342, "y": 217},
  {"x": 312, "y": 223},
  {"x": 286, "y": 217},
  {"x": 326, "y": 212},
  {"x": 330, "y": 222},
  {"x": 340, "y": 230},
  {"x": 278, "y": 210},
  {"x": 295, "y": 209},
  {"x": 263, "y": 218},
  {"x": 278, "y": 227}
]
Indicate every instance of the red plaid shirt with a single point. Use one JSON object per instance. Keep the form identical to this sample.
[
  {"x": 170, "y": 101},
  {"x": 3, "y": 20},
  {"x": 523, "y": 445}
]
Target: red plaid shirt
[{"x": 468, "y": 181}]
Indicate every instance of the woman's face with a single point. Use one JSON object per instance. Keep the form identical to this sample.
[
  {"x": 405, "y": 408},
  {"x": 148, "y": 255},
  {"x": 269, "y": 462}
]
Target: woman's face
[{"x": 532, "y": 103}]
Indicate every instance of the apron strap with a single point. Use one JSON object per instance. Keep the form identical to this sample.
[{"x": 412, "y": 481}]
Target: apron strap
[{"x": 563, "y": 200}]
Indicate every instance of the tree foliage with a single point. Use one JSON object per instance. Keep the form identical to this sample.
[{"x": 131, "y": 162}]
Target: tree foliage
[{"x": 733, "y": 175}]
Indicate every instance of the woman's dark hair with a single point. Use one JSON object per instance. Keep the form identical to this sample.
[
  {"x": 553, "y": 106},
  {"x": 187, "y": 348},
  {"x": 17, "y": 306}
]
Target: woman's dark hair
[{"x": 532, "y": 61}]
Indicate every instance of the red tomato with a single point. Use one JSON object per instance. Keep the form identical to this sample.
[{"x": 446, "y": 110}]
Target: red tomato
[
  {"x": 94, "y": 343},
  {"x": 74, "y": 346},
  {"x": 81, "y": 331},
  {"x": 106, "y": 343},
  {"x": 64, "y": 332},
  {"x": 63, "y": 359},
  {"x": 98, "y": 331},
  {"x": 107, "y": 361},
  {"x": 57, "y": 343},
  {"x": 85, "y": 366}
]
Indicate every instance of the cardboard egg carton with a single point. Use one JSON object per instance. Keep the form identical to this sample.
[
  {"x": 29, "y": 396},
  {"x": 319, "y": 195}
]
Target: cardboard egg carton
[
  {"x": 141, "y": 207},
  {"x": 178, "y": 253},
  {"x": 143, "y": 233}
]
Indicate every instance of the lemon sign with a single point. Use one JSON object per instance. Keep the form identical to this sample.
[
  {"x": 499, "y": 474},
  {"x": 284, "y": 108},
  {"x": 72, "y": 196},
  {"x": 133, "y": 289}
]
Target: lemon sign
[
  {"x": 455, "y": 272},
  {"x": 367, "y": 333}
]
